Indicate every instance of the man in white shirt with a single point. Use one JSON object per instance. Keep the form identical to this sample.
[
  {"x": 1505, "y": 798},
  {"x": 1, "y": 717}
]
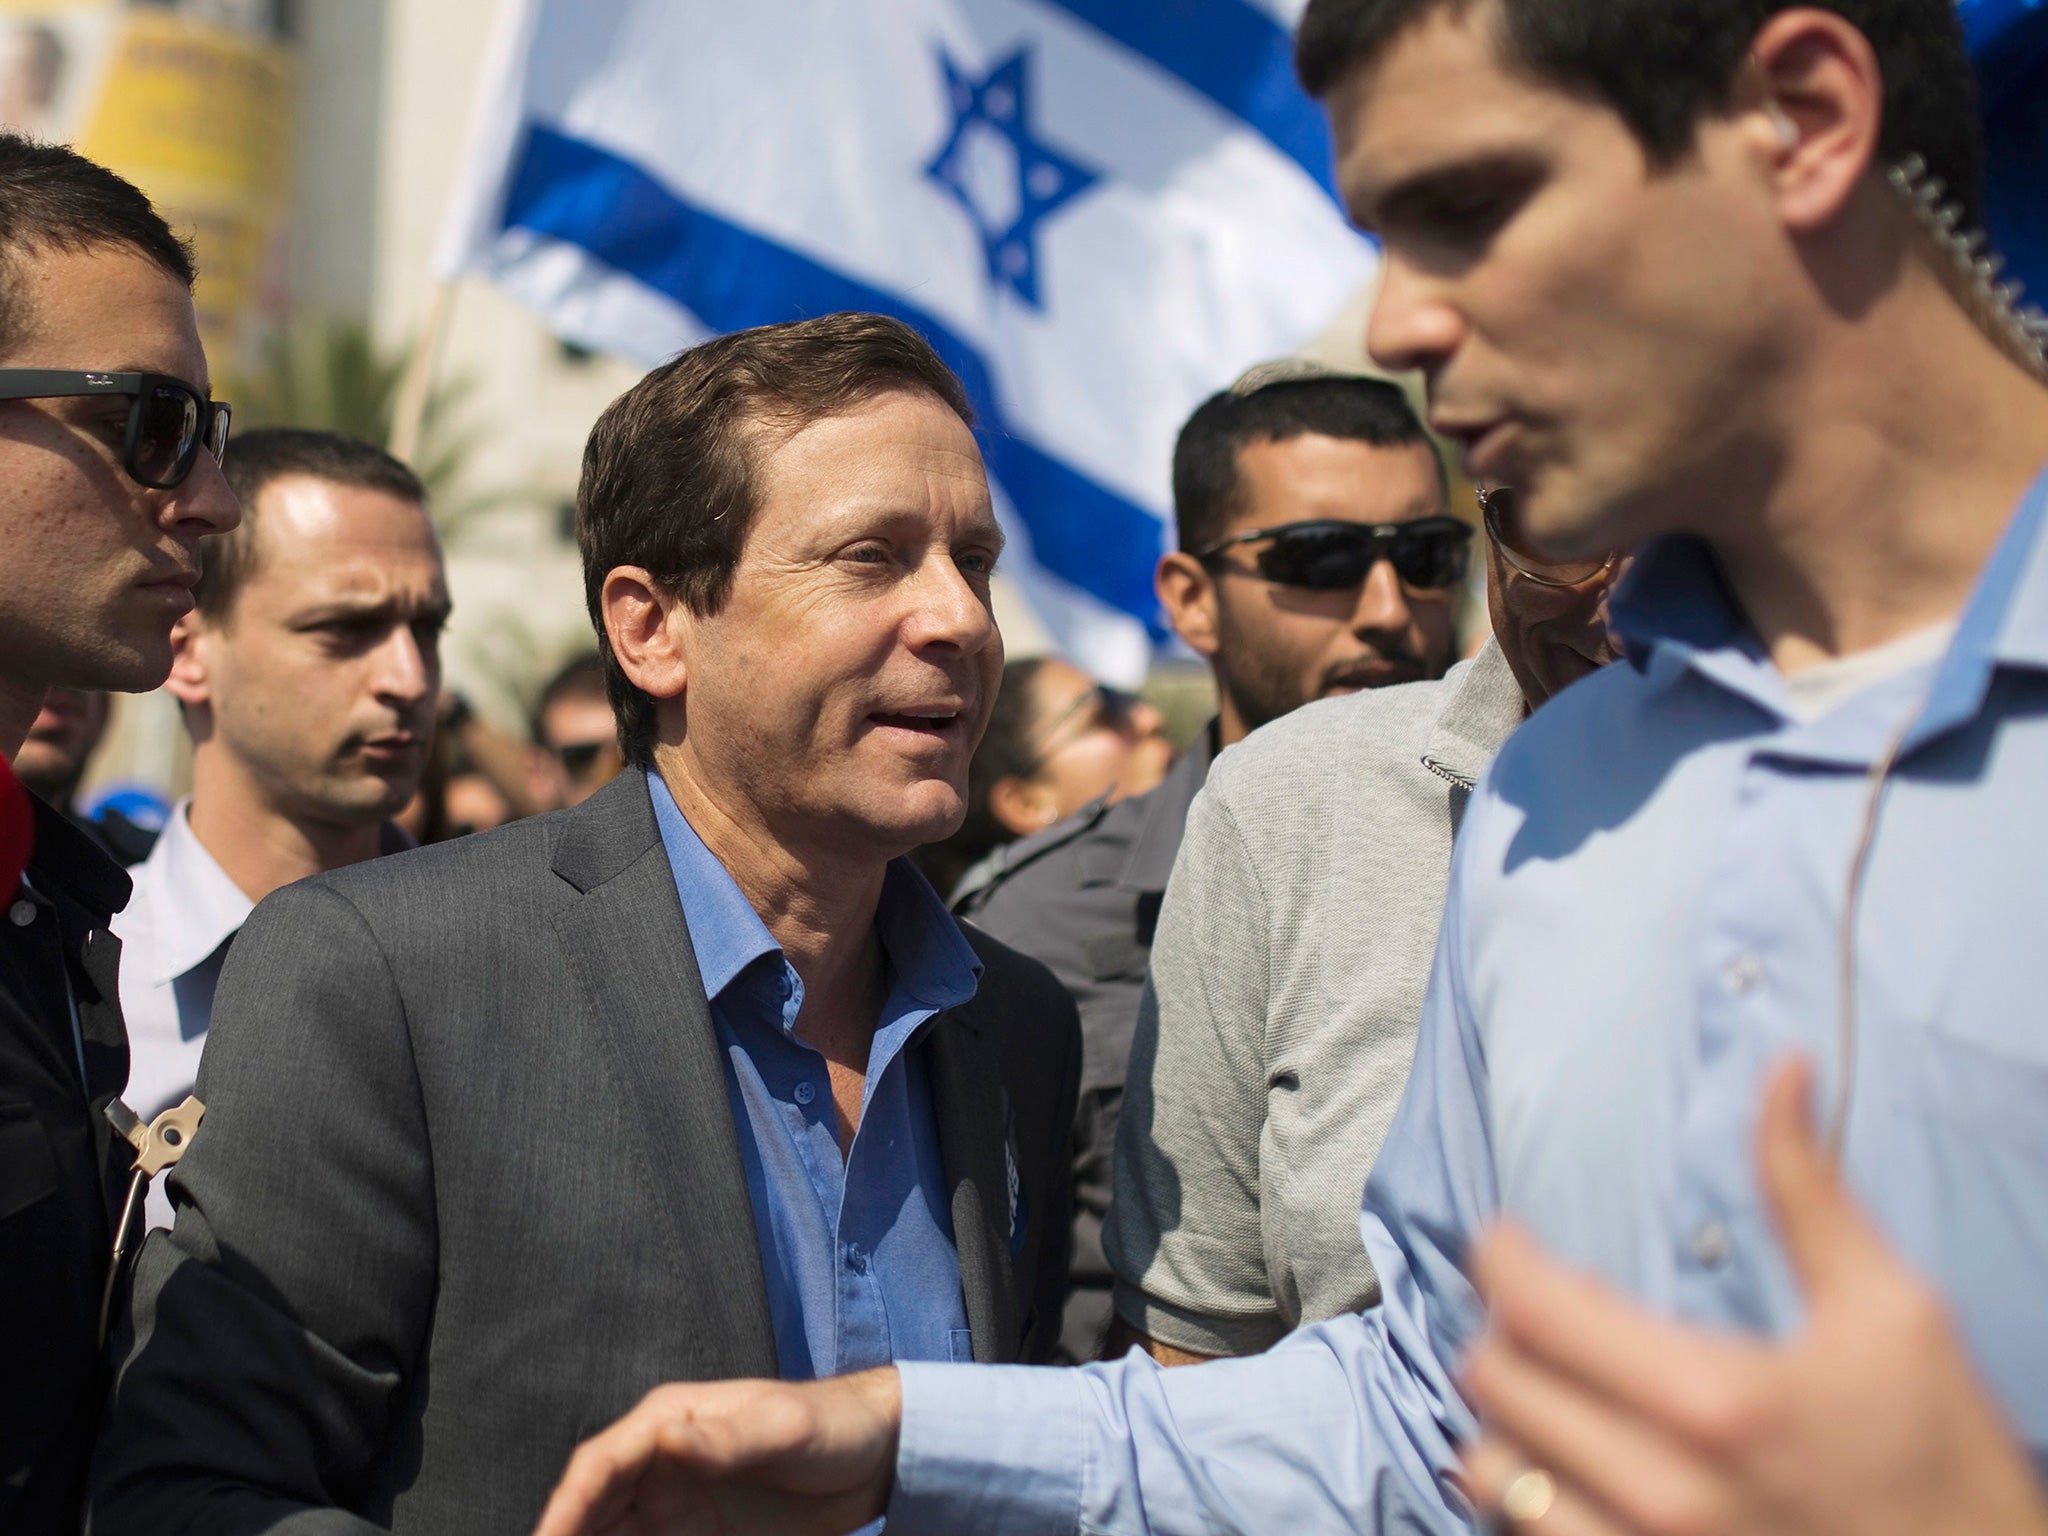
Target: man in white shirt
[{"x": 307, "y": 674}]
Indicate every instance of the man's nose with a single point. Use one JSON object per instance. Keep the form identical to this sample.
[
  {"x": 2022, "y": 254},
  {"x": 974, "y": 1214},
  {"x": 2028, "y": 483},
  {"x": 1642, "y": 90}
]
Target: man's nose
[
  {"x": 1412, "y": 324},
  {"x": 203, "y": 503},
  {"x": 1382, "y": 605},
  {"x": 407, "y": 669},
  {"x": 950, "y": 610}
]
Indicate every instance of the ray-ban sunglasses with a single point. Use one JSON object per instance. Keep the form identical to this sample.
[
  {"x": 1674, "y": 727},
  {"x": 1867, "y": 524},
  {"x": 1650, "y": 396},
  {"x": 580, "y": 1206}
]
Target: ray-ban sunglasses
[
  {"x": 1335, "y": 556},
  {"x": 169, "y": 422}
]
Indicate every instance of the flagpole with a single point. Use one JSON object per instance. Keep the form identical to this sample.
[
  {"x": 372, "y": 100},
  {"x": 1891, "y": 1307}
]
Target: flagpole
[{"x": 409, "y": 410}]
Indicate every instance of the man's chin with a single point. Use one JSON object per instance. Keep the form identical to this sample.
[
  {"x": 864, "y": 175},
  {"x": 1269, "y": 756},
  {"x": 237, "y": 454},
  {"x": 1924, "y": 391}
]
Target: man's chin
[{"x": 921, "y": 814}]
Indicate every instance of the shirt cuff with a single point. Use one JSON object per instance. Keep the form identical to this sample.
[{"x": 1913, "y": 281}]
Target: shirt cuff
[{"x": 995, "y": 1450}]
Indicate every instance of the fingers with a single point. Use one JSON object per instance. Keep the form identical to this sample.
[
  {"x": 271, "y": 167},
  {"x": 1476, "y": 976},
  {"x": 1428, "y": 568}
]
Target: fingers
[
  {"x": 1591, "y": 1335},
  {"x": 752, "y": 1455},
  {"x": 1616, "y": 1462},
  {"x": 596, "y": 1493},
  {"x": 1491, "y": 1468},
  {"x": 1826, "y": 1236}
]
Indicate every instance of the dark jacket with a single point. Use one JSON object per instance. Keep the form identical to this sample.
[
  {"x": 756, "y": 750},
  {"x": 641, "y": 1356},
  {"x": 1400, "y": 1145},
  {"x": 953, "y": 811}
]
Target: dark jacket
[
  {"x": 61, "y": 1169},
  {"x": 469, "y": 1186},
  {"x": 1083, "y": 897}
]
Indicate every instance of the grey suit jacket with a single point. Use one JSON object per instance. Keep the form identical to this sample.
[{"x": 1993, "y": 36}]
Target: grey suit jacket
[{"x": 469, "y": 1186}]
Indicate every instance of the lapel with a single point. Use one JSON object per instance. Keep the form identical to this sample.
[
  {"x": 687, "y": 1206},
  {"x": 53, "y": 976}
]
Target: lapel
[
  {"x": 973, "y": 1115},
  {"x": 626, "y": 940}
]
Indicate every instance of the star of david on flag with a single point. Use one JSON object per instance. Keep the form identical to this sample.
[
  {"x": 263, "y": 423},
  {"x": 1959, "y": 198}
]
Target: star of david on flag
[
  {"x": 1099, "y": 212},
  {"x": 1033, "y": 181}
]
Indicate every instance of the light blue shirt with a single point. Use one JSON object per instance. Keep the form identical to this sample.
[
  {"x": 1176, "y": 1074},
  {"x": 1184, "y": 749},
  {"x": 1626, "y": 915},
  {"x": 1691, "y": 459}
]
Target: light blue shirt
[
  {"x": 857, "y": 1253},
  {"x": 1643, "y": 916}
]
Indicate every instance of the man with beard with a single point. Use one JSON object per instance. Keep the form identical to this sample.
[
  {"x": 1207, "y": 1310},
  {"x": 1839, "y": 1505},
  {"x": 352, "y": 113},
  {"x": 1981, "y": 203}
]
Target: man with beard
[
  {"x": 1277, "y": 1028},
  {"x": 1317, "y": 557},
  {"x": 307, "y": 676}
]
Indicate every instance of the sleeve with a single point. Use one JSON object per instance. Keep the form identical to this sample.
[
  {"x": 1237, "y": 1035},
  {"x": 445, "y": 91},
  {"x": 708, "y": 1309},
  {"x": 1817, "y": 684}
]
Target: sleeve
[
  {"x": 1352, "y": 1424},
  {"x": 272, "y": 1333},
  {"x": 1184, "y": 1235}
]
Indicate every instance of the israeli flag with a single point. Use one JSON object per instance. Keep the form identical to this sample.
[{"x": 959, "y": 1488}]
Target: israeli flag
[{"x": 1098, "y": 212}]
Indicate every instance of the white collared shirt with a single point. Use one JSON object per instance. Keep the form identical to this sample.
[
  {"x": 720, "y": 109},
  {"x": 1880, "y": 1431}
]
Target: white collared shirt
[{"x": 174, "y": 935}]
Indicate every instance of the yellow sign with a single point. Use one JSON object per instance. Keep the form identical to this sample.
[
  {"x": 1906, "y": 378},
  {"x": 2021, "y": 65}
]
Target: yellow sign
[{"x": 197, "y": 112}]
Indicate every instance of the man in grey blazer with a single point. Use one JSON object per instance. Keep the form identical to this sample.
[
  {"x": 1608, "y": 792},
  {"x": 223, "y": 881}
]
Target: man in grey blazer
[{"x": 695, "y": 1080}]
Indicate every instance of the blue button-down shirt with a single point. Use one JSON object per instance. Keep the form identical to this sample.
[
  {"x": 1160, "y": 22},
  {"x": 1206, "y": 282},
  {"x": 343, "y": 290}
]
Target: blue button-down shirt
[
  {"x": 857, "y": 1252},
  {"x": 1644, "y": 914}
]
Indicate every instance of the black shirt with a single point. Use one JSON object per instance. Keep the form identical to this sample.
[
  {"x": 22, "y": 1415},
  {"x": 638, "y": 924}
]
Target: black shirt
[{"x": 63, "y": 1056}]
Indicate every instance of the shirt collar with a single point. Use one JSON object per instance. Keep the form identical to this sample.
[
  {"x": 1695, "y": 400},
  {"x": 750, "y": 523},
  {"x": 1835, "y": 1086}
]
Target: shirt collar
[
  {"x": 929, "y": 957},
  {"x": 1674, "y": 613},
  {"x": 194, "y": 906}
]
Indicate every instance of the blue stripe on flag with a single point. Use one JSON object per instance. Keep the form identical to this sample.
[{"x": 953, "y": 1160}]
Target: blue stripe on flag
[
  {"x": 731, "y": 278},
  {"x": 1234, "y": 54}
]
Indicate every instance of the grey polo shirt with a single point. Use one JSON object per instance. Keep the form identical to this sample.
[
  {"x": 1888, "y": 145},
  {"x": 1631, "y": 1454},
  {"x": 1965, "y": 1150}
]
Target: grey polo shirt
[
  {"x": 1288, "y": 969},
  {"x": 1083, "y": 896}
]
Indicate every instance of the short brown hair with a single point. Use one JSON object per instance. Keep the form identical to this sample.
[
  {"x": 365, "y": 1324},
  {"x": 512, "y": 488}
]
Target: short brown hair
[
  {"x": 671, "y": 474},
  {"x": 53, "y": 198},
  {"x": 254, "y": 459}
]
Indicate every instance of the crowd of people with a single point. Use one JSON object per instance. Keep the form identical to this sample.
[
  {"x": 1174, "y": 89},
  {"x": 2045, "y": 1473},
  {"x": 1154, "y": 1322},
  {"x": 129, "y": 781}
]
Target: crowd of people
[{"x": 829, "y": 1075}]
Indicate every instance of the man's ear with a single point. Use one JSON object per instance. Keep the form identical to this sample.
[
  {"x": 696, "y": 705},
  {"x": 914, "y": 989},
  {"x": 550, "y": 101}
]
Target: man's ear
[
  {"x": 190, "y": 682},
  {"x": 1022, "y": 805},
  {"x": 1188, "y": 594},
  {"x": 648, "y": 629},
  {"x": 1814, "y": 95}
]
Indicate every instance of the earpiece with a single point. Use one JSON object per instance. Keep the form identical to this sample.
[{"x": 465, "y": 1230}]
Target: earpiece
[{"x": 1788, "y": 131}]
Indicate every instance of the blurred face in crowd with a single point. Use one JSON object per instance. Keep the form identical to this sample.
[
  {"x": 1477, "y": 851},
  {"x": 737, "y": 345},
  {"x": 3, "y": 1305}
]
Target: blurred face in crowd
[
  {"x": 1086, "y": 741},
  {"x": 1550, "y": 616},
  {"x": 582, "y": 744},
  {"x": 315, "y": 692},
  {"x": 472, "y": 803},
  {"x": 98, "y": 567},
  {"x": 837, "y": 695},
  {"x": 1275, "y": 647},
  {"x": 1602, "y": 333},
  {"x": 66, "y": 730}
]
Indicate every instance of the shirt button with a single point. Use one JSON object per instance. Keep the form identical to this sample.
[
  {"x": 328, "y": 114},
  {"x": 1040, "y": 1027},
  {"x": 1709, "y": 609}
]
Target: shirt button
[
  {"x": 1711, "y": 1244},
  {"x": 856, "y": 1258},
  {"x": 1743, "y": 973},
  {"x": 22, "y": 913},
  {"x": 805, "y": 1093}
]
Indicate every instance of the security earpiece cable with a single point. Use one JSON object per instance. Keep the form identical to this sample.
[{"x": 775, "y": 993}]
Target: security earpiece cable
[{"x": 1852, "y": 907}]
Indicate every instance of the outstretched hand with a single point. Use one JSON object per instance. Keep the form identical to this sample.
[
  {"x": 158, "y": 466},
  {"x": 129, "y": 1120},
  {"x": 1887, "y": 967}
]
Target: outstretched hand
[
  {"x": 705, "y": 1459},
  {"x": 1867, "y": 1422}
]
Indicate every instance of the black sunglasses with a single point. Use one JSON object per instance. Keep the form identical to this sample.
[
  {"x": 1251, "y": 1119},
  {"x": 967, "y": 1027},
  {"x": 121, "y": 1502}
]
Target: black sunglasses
[
  {"x": 168, "y": 420},
  {"x": 579, "y": 757},
  {"x": 1333, "y": 556}
]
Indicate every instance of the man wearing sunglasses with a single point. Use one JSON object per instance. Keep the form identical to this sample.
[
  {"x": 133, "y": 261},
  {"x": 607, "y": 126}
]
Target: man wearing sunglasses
[
  {"x": 108, "y": 449},
  {"x": 307, "y": 676},
  {"x": 1317, "y": 558},
  {"x": 574, "y": 726},
  {"x": 1278, "y": 1025}
]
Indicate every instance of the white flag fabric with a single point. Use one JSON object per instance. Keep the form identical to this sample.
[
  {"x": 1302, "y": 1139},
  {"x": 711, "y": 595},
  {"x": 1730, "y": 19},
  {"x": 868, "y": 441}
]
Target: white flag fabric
[{"x": 1098, "y": 211}]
